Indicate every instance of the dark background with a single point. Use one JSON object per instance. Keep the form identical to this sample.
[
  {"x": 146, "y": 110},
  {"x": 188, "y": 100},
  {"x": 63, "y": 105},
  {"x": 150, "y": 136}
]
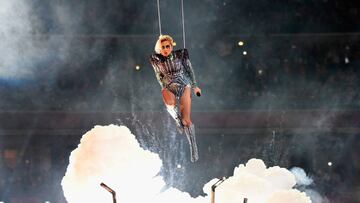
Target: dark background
[{"x": 292, "y": 100}]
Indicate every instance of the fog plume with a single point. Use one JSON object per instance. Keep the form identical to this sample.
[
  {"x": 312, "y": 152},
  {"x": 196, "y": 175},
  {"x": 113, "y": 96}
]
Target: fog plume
[{"x": 111, "y": 154}]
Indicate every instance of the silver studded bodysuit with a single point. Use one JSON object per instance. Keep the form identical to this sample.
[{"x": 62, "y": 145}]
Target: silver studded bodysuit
[{"x": 174, "y": 72}]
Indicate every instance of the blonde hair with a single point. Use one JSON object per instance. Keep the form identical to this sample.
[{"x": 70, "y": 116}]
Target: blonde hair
[{"x": 161, "y": 39}]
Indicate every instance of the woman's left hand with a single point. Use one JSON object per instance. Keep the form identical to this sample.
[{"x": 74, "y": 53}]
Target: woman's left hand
[{"x": 197, "y": 91}]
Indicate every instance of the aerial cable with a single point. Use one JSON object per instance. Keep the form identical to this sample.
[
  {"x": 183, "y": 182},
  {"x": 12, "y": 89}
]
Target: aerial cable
[
  {"x": 159, "y": 17},
  {"x": 182, "y": 20}
]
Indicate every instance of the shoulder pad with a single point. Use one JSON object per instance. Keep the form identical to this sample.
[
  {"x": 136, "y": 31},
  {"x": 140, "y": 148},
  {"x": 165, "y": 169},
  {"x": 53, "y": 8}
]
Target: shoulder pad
[
  {"x": 156, "y": 57},
  {"x": 182, "y": 53}
]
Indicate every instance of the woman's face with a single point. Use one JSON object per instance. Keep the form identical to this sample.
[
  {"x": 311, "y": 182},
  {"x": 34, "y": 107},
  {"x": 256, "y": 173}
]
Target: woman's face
[{"x": 166, "y": 48}]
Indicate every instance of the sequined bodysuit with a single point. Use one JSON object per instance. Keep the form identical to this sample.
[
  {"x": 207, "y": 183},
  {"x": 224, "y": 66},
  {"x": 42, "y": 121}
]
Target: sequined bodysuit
[{"x": 174, "y": 72}]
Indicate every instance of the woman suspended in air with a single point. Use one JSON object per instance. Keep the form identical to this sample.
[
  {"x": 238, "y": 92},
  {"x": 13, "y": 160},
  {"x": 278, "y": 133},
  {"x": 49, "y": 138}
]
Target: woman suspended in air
[{"x": 176, "y": 76}]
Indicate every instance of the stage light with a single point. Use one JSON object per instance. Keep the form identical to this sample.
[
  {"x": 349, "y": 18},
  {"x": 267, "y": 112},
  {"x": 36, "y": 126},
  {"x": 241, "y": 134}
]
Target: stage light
[
  {"x": 347, "y": 61},
  {"x": 240, "y": 43},
  {"x": 137, "y": 67},
  {"x": 174, "y": 44},
  {"x": 178, "y": 166},
  {"x": 244, "y": 53},
  {"x": 329, "y": 163},
  {"x": 260, "y": 72}
]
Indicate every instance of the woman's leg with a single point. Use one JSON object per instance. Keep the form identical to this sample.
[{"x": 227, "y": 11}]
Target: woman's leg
[
  {"x": 170, "y": 103},
  {"x": 168, "y": 98},
  {"x": 185, "y": 107}
]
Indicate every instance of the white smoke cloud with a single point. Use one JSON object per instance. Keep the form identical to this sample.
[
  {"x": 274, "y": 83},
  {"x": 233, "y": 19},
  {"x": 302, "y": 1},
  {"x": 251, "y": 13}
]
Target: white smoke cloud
[
  {"x": 303, "y": 181},
  {"x": 15, "y": 27},
  {"x": 301, "y": 177},
  {"x": 259, "y": 185},
  {"x": 14, "y": 18},
  {"x": 293, "y": 196},
  {"x": 111, "y": 154},
  {"x": 25, "y": 48},
  {"x": 316, "y": 197}
]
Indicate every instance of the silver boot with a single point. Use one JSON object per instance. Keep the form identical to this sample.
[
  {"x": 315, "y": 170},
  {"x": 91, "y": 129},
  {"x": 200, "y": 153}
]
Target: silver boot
[
  {"x": 176, "y": 116},
  {"x": 190, "y": 135}
]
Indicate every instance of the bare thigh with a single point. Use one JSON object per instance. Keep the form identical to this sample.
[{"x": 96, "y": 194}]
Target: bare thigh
[
  {"x": 185, "y": 106},
  {"x": 168, "y": 97}
]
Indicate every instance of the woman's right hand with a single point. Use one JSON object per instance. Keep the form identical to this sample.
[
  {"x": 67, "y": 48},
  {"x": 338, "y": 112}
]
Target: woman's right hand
[{"x": 197, "y": 91}]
